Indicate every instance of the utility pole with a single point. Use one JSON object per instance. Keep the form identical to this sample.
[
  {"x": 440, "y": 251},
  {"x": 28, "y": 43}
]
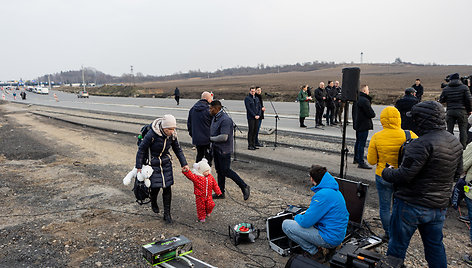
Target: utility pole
[
  {"x": 362, "y": 55},
  {"x": 83, "y": 77},
  {"x": 132, "y": 75}
]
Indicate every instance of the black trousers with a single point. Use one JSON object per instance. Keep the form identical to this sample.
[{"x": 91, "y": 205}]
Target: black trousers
[
  {"x": 166, "y": 197},
  {"x": 459, "y": 116},
  {"x": 177, "y": 99},
  {"x": 319, "y": 113},
  {"x": 252, "y": 132},
  {"x": 223, "y": 169},
  {"x": 204, "y": 151},
  {"x": 330, "y": 114},
  {"x": 302, "y": 121}
]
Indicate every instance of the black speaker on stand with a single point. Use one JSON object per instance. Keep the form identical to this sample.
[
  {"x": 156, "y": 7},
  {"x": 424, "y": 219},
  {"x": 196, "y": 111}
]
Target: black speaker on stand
[{"x": 349, "y": 92}]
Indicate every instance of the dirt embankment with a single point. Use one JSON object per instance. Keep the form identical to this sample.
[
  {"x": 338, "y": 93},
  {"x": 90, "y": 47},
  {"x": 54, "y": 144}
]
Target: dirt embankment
[
  {"x": 387, "y": 83},
  {"x": 63, "y": 203}
]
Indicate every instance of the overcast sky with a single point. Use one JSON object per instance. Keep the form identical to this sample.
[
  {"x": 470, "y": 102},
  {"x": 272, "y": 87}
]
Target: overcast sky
[{"x": 165, "y": 37}]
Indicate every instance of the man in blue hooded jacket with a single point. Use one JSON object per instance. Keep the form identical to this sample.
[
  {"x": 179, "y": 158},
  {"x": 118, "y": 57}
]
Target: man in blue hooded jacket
[{"x": 325, "y": 221}]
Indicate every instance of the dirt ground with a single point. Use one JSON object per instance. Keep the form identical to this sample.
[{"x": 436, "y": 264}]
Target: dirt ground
[
  {"x": 387, "y": 82},
  {"x": 63, "y": 204}
]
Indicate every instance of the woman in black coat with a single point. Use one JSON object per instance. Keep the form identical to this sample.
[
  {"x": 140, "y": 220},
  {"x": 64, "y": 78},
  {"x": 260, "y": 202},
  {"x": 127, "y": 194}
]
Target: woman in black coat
[{"x": 157, "y": 142}]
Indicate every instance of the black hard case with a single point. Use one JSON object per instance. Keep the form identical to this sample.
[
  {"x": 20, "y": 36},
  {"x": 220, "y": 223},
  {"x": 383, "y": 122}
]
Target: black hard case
[{"x": 278, "y": 240}]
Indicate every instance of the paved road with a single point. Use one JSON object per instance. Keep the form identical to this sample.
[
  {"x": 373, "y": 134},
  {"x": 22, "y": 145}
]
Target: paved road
[{"x": 288, "y": 111}]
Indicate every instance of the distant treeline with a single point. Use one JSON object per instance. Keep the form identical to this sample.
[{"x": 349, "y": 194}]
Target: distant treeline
[
  {"x": 97, "y": 77},
  {"x": 91, "y": 75}
]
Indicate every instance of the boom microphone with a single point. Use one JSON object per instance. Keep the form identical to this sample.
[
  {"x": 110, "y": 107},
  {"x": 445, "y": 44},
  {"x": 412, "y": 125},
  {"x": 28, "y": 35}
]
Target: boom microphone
[{"x": 270, "y": 95}]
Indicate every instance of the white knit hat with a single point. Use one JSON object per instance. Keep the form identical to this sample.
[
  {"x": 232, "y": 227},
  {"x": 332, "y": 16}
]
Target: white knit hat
[
  {"x": 203, "y": 166},
  {"x": 168, "y": 121}
]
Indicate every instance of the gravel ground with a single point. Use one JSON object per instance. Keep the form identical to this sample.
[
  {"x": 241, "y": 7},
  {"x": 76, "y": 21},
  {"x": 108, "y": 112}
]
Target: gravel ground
[{"x": 63, "y": 204}]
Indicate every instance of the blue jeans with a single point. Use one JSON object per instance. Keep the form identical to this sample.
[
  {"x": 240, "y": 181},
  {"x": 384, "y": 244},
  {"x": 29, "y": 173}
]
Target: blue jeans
[
  {"x": 308, "y": 238},
  {"x": 258, "y": 128},
  {"x": 406, "y": 218},
  {"x": 223, "y": 169},
  {"x": 469, "y": 208},
  {"x": 385, "y": 191},
  {"x": 361, "y": 139}
]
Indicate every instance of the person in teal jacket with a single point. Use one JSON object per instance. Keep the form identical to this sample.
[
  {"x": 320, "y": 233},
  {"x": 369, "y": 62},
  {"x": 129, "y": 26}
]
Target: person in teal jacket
[{"x": 325, "y": 221}]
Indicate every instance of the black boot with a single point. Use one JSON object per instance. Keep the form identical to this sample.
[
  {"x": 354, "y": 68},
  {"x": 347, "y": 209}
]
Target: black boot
[
  {"x": 166, "y": 198},
  {"x": 154, "y": 193}
]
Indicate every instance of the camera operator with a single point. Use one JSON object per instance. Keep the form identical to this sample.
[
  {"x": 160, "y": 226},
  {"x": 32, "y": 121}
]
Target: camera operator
[{"x": 459, "y": 105}]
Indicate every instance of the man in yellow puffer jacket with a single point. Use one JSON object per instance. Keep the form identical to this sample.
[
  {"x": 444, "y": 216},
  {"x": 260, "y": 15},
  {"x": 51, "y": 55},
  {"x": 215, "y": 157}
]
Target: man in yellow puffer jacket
[{"x": 383, "y": 148}]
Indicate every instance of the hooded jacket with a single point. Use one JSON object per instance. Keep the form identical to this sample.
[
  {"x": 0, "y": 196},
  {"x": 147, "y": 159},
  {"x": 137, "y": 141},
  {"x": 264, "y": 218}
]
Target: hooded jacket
[
  {"x": 203, "y": 186},
  {"x": 363, "y": 113},
  {"x": 198, "y": 123},
  {"x": 456, "y": 96},
  {"x": 385, "y": 144},
  {"x": 161, "y": 161},
  {"x": 430, "y": 163},
  {"x": 467, "y": 162},
  {"x": 327, "y": 211}
]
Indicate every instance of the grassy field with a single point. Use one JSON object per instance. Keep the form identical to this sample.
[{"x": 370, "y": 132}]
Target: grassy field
[{"x": 386, "y": 82}]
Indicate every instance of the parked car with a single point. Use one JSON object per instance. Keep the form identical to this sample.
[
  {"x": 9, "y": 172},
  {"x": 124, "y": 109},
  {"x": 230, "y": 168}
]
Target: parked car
[{"x": 82, "y": 94}]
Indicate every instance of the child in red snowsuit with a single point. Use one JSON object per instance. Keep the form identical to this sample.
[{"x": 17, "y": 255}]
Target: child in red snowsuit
[{"x": 203, "y": 187}]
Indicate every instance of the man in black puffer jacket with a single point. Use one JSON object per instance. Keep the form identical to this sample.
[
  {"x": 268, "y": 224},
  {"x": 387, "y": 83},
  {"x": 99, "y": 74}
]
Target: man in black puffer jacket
[
  {"x": 404, "y": 105},
  {"x": 423, "y": 184},
  {"x": 459, "y": 105}
]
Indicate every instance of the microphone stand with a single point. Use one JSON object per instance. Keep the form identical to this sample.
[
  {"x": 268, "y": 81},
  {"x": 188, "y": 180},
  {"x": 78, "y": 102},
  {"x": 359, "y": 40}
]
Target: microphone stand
[
  {"x": 277, "y": 118},
  {"x": 344, "y": 150},
  {"x": 235, "y": 127}
]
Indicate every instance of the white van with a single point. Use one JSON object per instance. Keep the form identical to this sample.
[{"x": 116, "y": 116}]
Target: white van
[{"x": 42, "y": 90}]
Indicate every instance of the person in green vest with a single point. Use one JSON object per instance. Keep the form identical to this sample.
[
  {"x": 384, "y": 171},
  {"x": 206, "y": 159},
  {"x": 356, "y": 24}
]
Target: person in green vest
[{"x": 304, "y": 101}]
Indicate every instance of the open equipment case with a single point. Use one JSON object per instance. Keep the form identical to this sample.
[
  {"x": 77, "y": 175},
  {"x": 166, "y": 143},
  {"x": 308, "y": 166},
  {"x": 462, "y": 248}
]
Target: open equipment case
[
  {"x": 278, "y": 240},
  {"x": 354, "y": 194}
]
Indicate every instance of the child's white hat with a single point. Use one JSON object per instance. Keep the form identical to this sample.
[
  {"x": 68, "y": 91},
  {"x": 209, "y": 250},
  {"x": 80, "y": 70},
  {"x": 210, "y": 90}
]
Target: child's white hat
[{"x": 203, "y": 166}]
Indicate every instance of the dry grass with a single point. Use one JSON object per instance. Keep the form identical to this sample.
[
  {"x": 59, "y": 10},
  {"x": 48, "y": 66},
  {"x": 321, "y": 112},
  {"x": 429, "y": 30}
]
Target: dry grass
[{"x": 387, "y": 82}]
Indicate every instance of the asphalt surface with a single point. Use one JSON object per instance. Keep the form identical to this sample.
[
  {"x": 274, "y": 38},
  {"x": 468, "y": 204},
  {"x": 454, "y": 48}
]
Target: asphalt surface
[
  {"x": 287, "y": 111},
  {"x": 296, "y": 151}
]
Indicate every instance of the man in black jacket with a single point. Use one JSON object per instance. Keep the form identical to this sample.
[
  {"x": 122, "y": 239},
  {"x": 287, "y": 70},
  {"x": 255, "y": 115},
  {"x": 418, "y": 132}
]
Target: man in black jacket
[
  {"x": 362, "y": 116},
  {"x": 320, "y": 98},
  {"x": 177, "y": 95},
  {"x": 331, "y": 94},
  {"x": 423, "y": 184},
  {"x": 198, "y": 126},
  {"x": 404, "y": 105},
  {"x": 419, "y": 89},
  {"x": 259, "y": 121},
  {"x": 338, "y": 103},
  {"x": 253, "y": 113},
  {"x": 459, "y": 105}
]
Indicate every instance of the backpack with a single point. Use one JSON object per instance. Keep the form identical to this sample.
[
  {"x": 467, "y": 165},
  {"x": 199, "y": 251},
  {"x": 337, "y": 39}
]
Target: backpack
[
  {"x": 141, "y": 192},
  {"x": 401, "y": 152},
  {"x": 142, "y": 133}
]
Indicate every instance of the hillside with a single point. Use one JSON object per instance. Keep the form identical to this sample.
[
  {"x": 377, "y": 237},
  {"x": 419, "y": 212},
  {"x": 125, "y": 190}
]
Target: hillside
[{"x": 386, "y": 81}]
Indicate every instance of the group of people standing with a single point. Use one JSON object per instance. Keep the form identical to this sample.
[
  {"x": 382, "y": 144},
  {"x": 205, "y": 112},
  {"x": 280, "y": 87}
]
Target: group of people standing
[
  {"x": 419, "y": 181},
  {"x": 328, "y": 103},
  {"x": 211, "y": 130},
  {"x": 255, "y": 114}
]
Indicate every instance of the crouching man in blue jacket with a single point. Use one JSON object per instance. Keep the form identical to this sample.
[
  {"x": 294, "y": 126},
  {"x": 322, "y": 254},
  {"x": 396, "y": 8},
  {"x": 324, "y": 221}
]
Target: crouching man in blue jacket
[{"x": 324, "y": 223}]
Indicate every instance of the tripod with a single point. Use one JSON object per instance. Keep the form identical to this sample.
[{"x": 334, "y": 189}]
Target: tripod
[
  {"x": 344, "y": 149},
  {"x": 235, "y": 127},
  {"x": 277, "y": 118}
]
